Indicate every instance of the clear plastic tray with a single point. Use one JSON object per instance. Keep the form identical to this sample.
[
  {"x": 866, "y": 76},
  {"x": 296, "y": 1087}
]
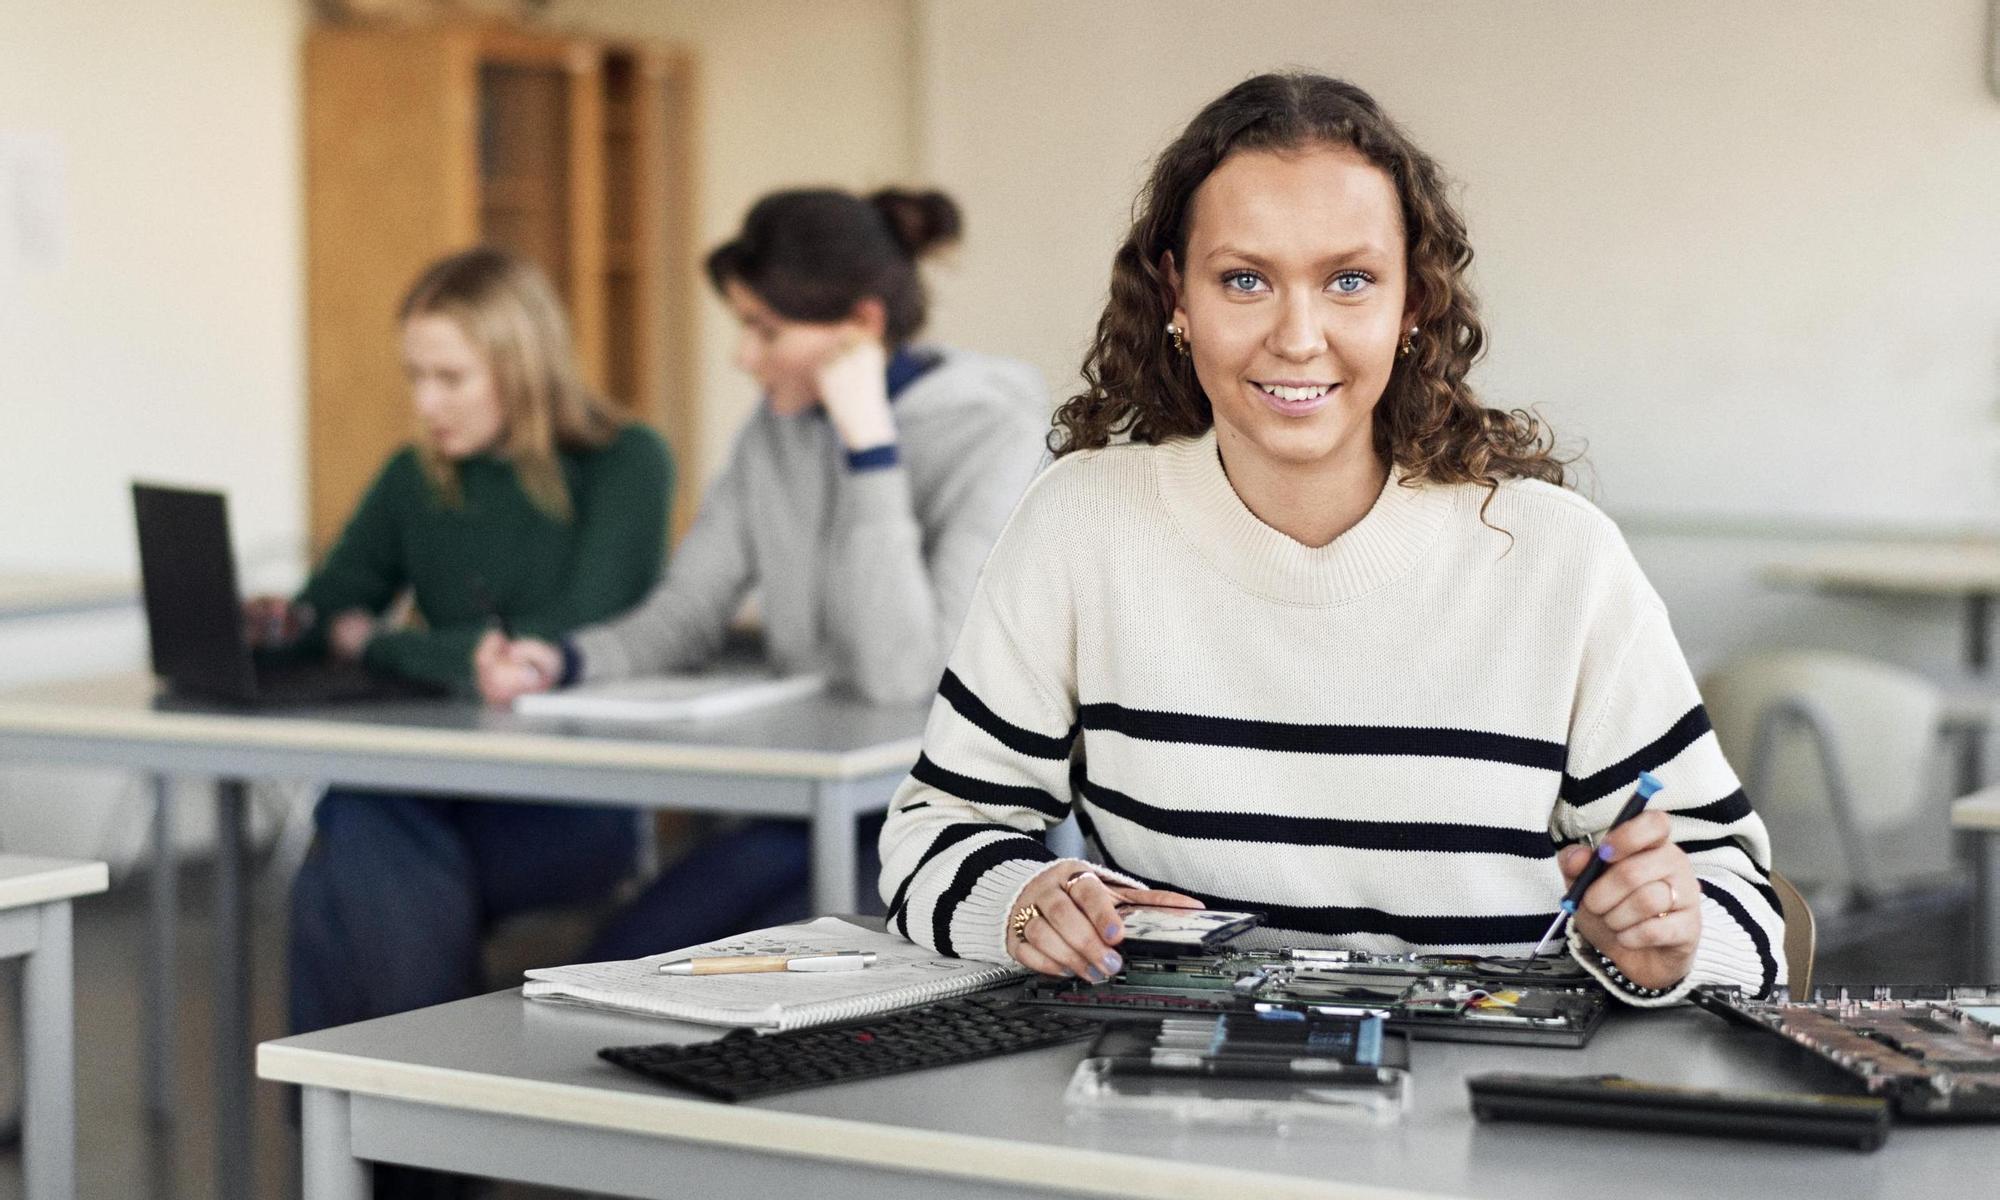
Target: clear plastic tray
[{"x": 1125, "y": 1088}]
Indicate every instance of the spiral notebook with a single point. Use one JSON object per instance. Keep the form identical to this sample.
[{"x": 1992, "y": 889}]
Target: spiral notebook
[{"x": 904, "y": 975}]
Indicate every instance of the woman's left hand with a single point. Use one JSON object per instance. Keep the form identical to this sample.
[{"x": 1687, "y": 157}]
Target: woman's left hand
[
  {"x": 854, "y": 390},
  {"x": 1644, "y": 912}
]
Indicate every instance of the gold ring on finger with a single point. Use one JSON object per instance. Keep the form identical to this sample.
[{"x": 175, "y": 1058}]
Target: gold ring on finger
[
  {"x": 1069, "y": 883},
  {"x": 1022, "y": 918}
]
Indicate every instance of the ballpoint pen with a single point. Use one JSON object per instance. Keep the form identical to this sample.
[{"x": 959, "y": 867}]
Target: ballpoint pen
[
  {"x": 838, "y": 960},
  {"x": 484, "y": 598},
  {"x": 1595, "y": 867}
]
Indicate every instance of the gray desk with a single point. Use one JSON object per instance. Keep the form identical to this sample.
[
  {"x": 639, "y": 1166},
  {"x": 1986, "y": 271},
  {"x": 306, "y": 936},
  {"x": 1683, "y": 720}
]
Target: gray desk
[
  {"x": 35, "y": 895},
  {"x": 43, "y": 594},
  {"x": 823, "y": 760},
  {"x": 1967, "y": 570},
  {"x": 508, "y": 1088}
]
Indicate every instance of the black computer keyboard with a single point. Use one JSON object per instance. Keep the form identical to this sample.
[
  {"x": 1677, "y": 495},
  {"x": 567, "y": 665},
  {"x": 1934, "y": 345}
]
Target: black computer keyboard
[{"x": 744, "y": 1065}]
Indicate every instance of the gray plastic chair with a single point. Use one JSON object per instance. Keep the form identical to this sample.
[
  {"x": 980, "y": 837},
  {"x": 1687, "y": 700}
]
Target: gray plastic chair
[{"x": 1841, "y": 756}]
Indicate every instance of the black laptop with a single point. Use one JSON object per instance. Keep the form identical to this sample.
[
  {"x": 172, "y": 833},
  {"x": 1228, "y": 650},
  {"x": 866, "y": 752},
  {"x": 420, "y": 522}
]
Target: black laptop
[{"x": 194, "y": 615}]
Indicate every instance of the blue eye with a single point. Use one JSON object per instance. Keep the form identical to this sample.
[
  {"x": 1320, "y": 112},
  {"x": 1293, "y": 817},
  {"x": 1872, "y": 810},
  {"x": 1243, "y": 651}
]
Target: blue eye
[
  {"x": 1351, "y": 283},
  {"x": 1244, "y": 282}
]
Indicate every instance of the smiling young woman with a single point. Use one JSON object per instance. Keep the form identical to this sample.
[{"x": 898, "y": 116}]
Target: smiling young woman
[{"x": 1297, "y": 625}]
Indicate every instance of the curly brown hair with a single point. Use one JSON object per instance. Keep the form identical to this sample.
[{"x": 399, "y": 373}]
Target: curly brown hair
[{"x": 1429, "y": 422}]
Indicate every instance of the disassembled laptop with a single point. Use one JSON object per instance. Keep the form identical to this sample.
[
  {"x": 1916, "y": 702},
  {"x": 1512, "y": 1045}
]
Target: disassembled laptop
[
  {"x": 1932, "y": 1052},
  {"x": 1537, "y": 1001}
]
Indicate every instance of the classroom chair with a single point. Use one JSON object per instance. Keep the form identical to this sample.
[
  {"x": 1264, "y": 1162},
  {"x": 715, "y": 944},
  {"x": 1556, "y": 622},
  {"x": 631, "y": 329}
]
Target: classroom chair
[
  {"x": 1841, "y": 756},
  {"x": 1800, "y": 936}
]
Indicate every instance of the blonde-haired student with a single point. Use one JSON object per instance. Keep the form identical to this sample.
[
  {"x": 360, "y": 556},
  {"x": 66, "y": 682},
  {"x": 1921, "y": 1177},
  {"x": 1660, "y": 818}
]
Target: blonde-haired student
[{"x": 523, "y": 492}]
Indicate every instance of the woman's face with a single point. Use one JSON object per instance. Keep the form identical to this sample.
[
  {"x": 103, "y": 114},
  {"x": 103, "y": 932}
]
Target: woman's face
[
  {"x": 784, "y": 356},
  {"x": 452, "y": 387},
  {"x": 1292, "y": 301}
]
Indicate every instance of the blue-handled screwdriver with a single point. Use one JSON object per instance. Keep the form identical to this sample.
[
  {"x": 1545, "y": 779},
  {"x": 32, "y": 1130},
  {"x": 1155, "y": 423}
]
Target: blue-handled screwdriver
[{"x": 1595, "y": 867}]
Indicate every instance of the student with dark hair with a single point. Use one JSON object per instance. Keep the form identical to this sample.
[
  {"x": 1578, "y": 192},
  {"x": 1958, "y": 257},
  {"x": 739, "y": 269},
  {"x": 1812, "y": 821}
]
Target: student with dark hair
[
  {"x": 1296, "y": 625},
  {"x": 524, "y": 492},
  {"x": 860, "y": 502}
]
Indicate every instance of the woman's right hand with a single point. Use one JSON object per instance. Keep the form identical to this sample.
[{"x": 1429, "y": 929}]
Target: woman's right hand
[
  {"x": 1077, "y": 922},
  {"x": 510, "y": 668},
  {"x": 273, "y": 621}
]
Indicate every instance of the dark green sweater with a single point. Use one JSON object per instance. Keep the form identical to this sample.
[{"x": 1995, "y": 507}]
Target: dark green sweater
[{"x": 547, "y": 576}]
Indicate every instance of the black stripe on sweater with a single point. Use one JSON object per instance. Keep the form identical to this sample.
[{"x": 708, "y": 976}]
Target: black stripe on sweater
[
  {"x": 970, "y": 868},
  {"x": 1015, "y": 738},
  {"x": 1618, "y": 777},
  {"x": 1091, "y": 838},
  {"x": 1741, "y": 916},
  {"x": 951, "y": 835},
  {"x": 1422, "y": 836},
  {"x": 1726, "y": 811},
  {"x": 982, "y": 791},
  {"x": 1760, "y": 879},
  {"x": 1383, "y": 740},
  {"x": 1697, "y": 845}
]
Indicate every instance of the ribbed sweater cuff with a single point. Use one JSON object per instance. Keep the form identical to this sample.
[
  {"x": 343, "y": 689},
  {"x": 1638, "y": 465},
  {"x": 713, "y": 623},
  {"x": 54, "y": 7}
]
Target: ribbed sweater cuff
[
  {"x": 875, "y": 458},
  {"x": 998, "y": 893},
  {"x": 979, "y": 924},
  {"x": 1723, "y": 956}
]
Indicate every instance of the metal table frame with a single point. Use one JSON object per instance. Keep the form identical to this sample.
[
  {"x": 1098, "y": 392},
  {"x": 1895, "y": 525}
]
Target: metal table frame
[
  {"x": 35, "y": 928},
  {"x": 825, "y": 760}
]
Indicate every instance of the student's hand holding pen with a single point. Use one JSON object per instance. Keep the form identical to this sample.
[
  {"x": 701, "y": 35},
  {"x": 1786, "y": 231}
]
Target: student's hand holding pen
[
  {"x": 1073, "y": 923},
  {"x": 1644, "y": 912},
  {"x": 507, "y": 668}
]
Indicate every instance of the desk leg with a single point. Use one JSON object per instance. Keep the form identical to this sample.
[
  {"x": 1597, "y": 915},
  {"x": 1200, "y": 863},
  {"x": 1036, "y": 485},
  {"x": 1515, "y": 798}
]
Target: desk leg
[
  {"x": 234, "y": 1152},
  {"x": 833, "y": 847},
  {"x": 1986, "y": 907},
  {"x": 48, "y": 1036},
  {"x": 326, "y": 1148},
  {"x": 161, "y": 993},
  {"x": 1978, "y": 609}
]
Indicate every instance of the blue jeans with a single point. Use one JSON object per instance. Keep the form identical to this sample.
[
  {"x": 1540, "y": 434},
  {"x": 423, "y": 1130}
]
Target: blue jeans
[
  {"x": 751, "y": 877},
  {"x": 394, "y": 897}
]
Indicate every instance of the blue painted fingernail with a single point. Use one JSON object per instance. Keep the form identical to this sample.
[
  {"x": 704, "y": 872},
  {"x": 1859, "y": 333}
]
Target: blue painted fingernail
[
  {"x": 1607, "y": 852},
  {"x": 1111, "y": 931},
  {"x": 1096, "y": 976},
  {"x": 1112, "y": 962}
]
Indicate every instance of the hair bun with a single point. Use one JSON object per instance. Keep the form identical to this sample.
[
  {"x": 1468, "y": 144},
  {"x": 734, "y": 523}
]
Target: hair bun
[{"x": 920, "y": 221}]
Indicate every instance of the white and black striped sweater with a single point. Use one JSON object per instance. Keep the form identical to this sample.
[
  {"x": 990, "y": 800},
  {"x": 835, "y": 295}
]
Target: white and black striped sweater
[{"x": 1380, "y": 743}]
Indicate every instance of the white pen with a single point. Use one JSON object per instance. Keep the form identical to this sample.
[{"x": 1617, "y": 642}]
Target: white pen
[{"x": 837, "y": 960}]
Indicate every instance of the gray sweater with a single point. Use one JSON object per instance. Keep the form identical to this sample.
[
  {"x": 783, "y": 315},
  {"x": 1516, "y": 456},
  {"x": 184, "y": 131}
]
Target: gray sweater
[{"x": 864, "y": 575}]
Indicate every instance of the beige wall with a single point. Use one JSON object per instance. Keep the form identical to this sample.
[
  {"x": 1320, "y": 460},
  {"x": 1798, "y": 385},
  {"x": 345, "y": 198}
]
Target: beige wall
[
  {"x": 790, "y": 93},
  {"x": 1748, "y": 251},
  {"x": 167, "y": 340}
]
